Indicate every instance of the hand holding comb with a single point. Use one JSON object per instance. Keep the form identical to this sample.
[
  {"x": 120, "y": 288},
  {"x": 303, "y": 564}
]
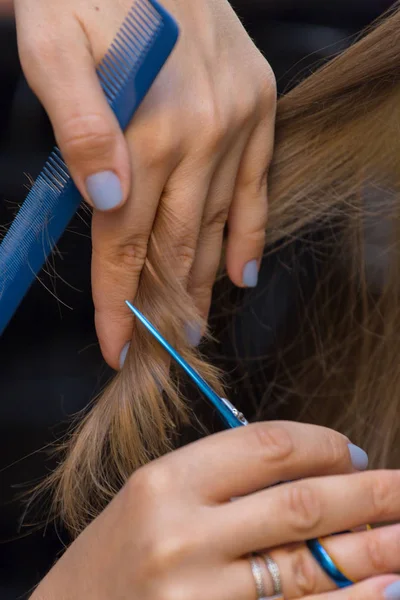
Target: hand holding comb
[{"x": 126, "y": 73}]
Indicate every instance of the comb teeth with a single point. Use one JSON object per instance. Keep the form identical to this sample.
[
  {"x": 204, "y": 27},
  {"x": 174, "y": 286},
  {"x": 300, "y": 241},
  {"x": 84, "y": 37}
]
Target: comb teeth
[
  {"x": 130, "y": 45},
  {"x": 126, "y": 73}
]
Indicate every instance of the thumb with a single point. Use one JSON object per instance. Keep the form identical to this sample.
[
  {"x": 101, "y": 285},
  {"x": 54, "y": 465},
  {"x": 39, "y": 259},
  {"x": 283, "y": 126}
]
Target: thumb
[{"x": 61, "y": 72}]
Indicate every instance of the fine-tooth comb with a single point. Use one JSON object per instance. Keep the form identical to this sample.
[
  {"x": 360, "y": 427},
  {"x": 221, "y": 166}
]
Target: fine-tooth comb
[{"x": 126, "y": 73}]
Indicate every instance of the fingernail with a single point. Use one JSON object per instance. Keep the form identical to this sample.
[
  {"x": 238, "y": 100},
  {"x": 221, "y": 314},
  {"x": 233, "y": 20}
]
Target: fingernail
[
  {"x": 104, "y": 190},
  {"x": 250, "y": 274},
  {"x": 193, "y": 334},
  {"x": 393, "y": 591},
  {"x": 359, "y": 458},
  {"x": 122, "y": 356}
]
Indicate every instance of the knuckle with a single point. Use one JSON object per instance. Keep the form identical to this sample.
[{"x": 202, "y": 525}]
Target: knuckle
[
  {"x": 304, "y": 573},
  {"x": 185, "y": 255},
  {"x": 253, "y": 237},
  {"x": 156, "y": 156},
  {"x": 337, "y": 454},
  {"x": 161, "y": 126},
  {"x": 393, "y": 548},
  {"x": 211, "y": 124},
  {"x": 376, "y": 553},
  {"x": 174, "y": 591},
  {"x": 274, "y": 441},
  {"x": 202, "y": 295},
  {"x": 129, "y": 253},
  {"x": 167, "y": 552},
  {"x": 212, "y": 138},
  {"x": 216, "y": 220},
  {"x": 132, "y": 255},
  {"x": 269, "y": 90},
  {"x": 253, "y": 183},
  {"x": 256, "y": 237},
  {"x": 246, "y": 109},
  {"x": 149, "y": 482},
  {"x": 384, "y": 495},
  {"x": 303, "y": 508},
  {"x": 86, "y": 136}
]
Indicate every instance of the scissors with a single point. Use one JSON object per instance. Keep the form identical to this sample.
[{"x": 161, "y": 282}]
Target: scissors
[
  {"x": 229, "y": 414},
  {"x": 233, "y": 418}
]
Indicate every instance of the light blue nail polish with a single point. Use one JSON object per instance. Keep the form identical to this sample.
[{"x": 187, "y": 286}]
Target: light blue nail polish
[
  {"x": 104, "y": 190},
  {"x": 392, "y": 592},
  {"x": 250, "y": 274},
  {"x": 122, "y": 356},
  {"x": 359, "y": 458},
  {"x": 193, "y": 334}
]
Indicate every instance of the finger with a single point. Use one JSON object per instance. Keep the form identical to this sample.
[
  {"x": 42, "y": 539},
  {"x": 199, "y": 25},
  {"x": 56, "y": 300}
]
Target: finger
[
  {"x": 237, "y": 581},
  {"x": 180, "y": 213},
  {"x": 248, "y": 213},
  {"x": 378, "y": 588},
  {"x": 359, "y": 556},
  {"x": 120, "y": 241},
  {"x": 307, "y": 509},
  {"x": 368, "y": 553},
  {"x": 251, "y": 458},
  {"x": 209, "y": 248},
  {"x": 171, "y": 211},
  {"x": 60, "y": 69}
]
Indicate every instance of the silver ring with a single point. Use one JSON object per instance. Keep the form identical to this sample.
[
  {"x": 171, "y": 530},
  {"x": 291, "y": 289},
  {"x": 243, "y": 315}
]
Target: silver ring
[
  {"x": 256, "y": 563},
  {"x": 275, "y": 573}
]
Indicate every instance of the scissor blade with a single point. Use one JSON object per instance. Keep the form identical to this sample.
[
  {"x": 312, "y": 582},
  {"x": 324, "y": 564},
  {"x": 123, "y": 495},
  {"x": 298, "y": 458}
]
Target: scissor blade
[{"x": 227, "y": 411}]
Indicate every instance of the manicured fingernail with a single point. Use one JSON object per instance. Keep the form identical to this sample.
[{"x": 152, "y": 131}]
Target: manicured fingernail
[
  {"x": 104, "y": 190},
  {"x": 122, "y": 356},
  {"x": 359, "y": 458},
  {"x": 250, "y": 274},
  {"x": 193, "y": 334},
  {"x": 393, "y": 591}
]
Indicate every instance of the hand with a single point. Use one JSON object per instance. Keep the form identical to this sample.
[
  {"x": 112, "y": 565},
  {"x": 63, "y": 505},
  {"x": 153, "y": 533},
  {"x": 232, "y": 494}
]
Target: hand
[
  {"x": 172, "y": 532},
  {"x": 195, "y": 156}
]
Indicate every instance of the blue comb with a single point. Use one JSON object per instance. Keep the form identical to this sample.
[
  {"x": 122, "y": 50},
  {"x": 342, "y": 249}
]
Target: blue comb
[
  {"x": 229, "y": 414},
  {"x": 126, "y": 73}
]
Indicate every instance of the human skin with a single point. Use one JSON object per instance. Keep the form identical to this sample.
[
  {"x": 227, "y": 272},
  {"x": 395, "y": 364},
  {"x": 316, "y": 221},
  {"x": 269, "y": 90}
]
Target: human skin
[
  {"x": 194, "y": 158},
  {"x": 174, "y": 533}
]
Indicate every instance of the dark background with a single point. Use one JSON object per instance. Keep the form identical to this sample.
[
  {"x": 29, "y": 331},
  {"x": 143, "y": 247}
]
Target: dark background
[{"x": 50, "y": 365}]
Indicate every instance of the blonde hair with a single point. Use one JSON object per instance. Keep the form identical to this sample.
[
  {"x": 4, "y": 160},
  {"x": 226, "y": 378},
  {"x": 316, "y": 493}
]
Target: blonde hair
[{"x": 337, "y": 139}]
